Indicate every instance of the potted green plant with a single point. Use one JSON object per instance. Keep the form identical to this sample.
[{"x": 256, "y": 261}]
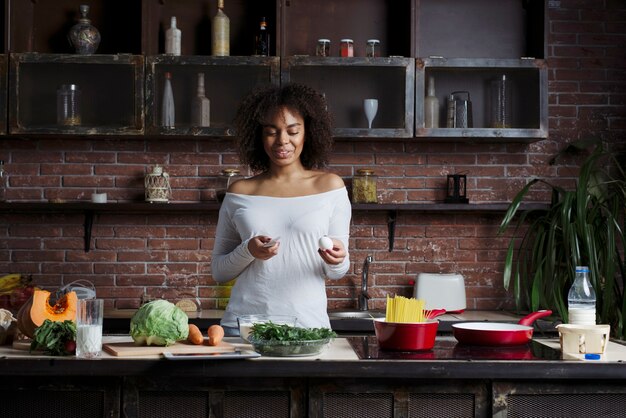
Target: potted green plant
[{"x": 582, "y": 226}]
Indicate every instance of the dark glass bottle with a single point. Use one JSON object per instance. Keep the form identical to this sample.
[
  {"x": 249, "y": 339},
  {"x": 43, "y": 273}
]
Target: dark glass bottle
[{"x": 262, "y": 40}]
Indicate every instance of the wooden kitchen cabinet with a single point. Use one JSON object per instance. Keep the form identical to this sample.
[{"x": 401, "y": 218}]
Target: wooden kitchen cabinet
[{"x": 60, "y": 396}]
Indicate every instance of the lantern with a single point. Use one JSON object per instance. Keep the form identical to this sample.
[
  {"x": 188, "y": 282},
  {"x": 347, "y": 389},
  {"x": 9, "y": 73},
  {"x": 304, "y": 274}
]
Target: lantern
[
  {"x": 157, "y": 185},
  {"x": 456, "y": 189}
]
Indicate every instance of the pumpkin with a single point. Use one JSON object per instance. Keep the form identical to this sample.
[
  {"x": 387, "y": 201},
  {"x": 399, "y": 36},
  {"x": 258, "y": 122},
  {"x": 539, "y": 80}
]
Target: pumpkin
[{"x": 37, "y": 309}]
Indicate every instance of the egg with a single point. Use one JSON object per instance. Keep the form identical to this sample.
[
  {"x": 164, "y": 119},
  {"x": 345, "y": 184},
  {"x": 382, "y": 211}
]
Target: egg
[{"x": 326, "y": 243}]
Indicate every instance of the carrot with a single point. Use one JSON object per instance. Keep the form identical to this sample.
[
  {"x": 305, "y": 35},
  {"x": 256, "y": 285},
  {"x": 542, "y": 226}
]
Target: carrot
[
  {"x": 195, "y": 335},
  {"x": 215, "y": 333}
]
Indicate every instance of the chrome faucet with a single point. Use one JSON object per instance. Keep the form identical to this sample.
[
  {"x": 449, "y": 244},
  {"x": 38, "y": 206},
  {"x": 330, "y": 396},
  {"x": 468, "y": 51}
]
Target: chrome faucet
[{"x": 364, "y": 296}]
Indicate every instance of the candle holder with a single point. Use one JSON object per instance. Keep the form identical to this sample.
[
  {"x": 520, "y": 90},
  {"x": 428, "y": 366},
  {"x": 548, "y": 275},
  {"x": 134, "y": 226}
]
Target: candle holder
[
  {"x": 157, "y": 185},
  {"x": 456, "y": 189}
]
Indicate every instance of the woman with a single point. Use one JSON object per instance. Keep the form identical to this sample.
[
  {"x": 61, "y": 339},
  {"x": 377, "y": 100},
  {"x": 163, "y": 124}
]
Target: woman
[{"x": 270, "y": 224}]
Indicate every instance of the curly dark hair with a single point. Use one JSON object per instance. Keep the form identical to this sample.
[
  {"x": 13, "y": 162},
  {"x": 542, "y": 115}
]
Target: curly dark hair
[{"x": 298, "y": 98}]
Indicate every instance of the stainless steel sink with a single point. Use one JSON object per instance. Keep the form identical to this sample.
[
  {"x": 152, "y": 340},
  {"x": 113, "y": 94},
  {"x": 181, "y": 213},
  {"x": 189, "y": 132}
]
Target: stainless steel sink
[{"x": 355, "y": 314}]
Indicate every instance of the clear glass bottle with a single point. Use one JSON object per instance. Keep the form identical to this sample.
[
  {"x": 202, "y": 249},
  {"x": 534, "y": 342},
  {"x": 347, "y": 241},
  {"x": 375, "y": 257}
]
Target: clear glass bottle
[
  {"x": 168, "y": 115},
  {"x": 364, "y": 188},
  {"x": 173, "y": 37},
  {"x": 262, "y": 40},
  {"x": 83, "y": 36},
  {"x": 431, "y": 106},
  {"x": 221, "y": 32},
  {"x": 372, "y": 48},
  {"x": 500, "y": 103},
  {"x": 3, "y": 182},
  {"x": 200, "y": 105},
  {"x": 323, "y": 48},
  {"x": 68, "y": 105},
  {"x": 581, "y": 299},
  {"x": 347, "y": 48}
]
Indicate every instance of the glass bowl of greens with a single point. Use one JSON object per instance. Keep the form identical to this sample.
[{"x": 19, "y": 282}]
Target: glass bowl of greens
[
  {"x": 282, "y": 340},
  {"x": 246, "y": 322}
]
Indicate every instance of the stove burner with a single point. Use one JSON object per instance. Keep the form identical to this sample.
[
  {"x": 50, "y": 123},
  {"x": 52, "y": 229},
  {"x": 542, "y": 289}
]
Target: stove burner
[{"x": 447, "y": 348}]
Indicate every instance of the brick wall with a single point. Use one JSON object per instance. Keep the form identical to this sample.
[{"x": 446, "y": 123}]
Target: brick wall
[{"x": 135, "y": 256}]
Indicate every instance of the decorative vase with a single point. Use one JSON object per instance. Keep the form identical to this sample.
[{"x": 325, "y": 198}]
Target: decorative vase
[
  {"x": 157, "y": 185},
  {"x": 83, "y": 36}
]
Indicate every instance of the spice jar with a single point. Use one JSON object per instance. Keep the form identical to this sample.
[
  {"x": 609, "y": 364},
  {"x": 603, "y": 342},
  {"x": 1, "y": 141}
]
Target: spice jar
[
  {"x": 323, "y": 48},
  {"x": 372, "y": 48},
  {"x": 364, "y": 187},
  {"x": 347, "y": 48},
  {"x": 227, "y": 176}
]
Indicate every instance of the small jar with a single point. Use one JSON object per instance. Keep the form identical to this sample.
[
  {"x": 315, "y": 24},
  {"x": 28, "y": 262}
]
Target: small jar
[
  {"x": 227, "y": 176},
  {"x": 372, "y": 48},
  {"x": 347, "y": 48},
  {"x": 68, "y": 105},
  {"x": 364, "y": 189},
  {"x": 323, "y": 48}
]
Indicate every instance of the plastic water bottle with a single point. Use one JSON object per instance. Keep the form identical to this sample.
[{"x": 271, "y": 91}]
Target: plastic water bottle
[{"x": 581, "y": 300}]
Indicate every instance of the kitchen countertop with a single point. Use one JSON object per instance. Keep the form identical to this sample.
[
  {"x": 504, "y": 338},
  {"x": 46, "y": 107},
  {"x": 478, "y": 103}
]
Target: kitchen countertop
[
  {"x": 116, "y": 320},
  {"x": 339, "y": 360}
]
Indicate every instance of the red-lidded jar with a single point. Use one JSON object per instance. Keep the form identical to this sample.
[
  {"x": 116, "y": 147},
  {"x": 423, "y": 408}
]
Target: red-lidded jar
[{"x": 347, "y": 48}]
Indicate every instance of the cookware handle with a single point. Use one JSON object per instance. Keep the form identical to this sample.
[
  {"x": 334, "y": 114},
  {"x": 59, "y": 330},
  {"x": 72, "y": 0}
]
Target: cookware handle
[
  {"x": 433, "y": 313},
  {"x": 532, "y": 317}
]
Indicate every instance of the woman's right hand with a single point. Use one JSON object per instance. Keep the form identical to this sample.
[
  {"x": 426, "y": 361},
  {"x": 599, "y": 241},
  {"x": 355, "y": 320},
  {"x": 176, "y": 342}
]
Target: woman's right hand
[{"x": 259, "y": 249}]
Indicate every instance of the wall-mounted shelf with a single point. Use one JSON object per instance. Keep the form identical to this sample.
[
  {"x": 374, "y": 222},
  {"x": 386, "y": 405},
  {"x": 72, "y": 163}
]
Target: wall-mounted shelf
[
  {"x": 91, "y": 209},
  {"x": 346, "y": 82},
  {"x": 227, "y": 80}
]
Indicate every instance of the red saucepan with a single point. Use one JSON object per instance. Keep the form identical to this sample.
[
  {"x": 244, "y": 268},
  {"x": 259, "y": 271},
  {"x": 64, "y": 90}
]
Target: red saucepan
[{"x": 497, "y": 334}]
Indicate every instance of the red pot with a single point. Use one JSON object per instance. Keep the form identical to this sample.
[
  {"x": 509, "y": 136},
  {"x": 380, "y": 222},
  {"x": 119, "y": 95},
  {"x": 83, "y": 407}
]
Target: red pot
[
  {"x": 396, "y": 336},
  {"x": 497, "y": 334}
]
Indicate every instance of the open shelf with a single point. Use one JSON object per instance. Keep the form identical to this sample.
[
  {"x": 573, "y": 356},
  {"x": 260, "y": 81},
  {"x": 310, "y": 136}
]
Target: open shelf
[
  {"x": 346, "y": 82},
  {"x": 91, "y": 209},
  {"x": 111, "y": 93},
  {"x": 527, "y": 79},
  {"x": 227, "y": 80},
  {"x": 304, "y": 22}
]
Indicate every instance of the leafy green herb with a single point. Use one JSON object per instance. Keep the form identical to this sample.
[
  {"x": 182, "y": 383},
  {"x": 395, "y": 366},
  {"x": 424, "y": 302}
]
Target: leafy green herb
[
  {"x": 282, "y": 332},
  {"x": 52, "y": 336}
]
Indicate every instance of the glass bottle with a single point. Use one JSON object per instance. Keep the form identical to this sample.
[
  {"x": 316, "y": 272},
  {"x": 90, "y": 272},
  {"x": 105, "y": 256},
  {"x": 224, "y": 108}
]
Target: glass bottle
[
  {"x": 262, "y": 40},
  {"x": 167, "y": 105},
  {"x": 221, "y": 32},
  {"x": 68, "y": 105},
  {"x": 372, "y": 48},
  {"x": 200, "y": 105},
  {"x": 581, "y": 299},
  {"x": 347, "y": 48},
  {"x": 3, "y": 183},
  {"x": 501, "y": 103},
  {"x": 364, "y": 189},
  {"x": 431, "y": 106},
  {"x": 83, "y": 36},
  {"x": 323, "y": 48},
  {"x": 173, "y": 38}
]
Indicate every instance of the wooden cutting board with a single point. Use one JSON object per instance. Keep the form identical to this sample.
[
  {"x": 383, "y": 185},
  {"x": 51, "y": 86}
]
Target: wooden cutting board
[{"x": 129, "y": 349}]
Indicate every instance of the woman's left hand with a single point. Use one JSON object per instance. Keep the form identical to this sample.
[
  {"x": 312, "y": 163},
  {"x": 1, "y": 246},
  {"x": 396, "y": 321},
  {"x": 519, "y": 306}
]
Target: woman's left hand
[{"x": 334, "y": 255}]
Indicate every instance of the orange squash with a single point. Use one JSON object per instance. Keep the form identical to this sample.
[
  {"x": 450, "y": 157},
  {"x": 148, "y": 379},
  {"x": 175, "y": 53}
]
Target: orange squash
[{"x": 37, "y": 309}]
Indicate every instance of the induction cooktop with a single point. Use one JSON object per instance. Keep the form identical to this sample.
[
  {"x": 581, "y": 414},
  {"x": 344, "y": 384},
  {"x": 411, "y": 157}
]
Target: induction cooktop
[{"x": 448, "y": 348}]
